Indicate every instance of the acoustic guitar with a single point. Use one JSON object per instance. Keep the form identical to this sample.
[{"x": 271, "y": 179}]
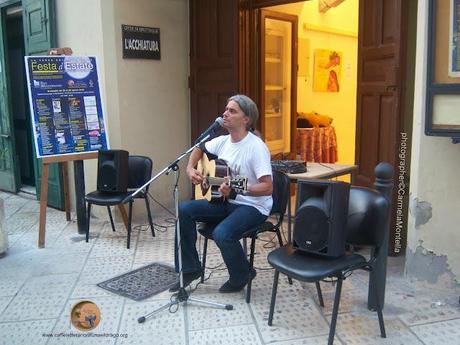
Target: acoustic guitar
[{"x": 214, "y": 172}]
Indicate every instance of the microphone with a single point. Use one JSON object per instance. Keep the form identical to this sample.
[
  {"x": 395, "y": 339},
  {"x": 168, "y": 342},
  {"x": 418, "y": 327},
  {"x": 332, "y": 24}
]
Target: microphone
[{"x": 211, "y": 130}]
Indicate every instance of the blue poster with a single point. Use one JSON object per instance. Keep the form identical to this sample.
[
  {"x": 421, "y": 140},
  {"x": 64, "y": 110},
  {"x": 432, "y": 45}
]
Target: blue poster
[{"x": 65, "y": 104}]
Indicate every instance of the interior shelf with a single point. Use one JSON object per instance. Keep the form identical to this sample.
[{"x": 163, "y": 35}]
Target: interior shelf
[
  {"x": 272, "y": 59},
  {"x": 271, "y": 114},
  {"x": 274, "y": 87}
]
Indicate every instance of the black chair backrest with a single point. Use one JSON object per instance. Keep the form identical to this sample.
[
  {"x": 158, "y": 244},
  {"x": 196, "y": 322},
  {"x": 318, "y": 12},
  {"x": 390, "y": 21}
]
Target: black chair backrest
[
  {"x": 280, "y": 193},
  {"x": 368, "y": 213},
  {"x": 140, "y": 171}
]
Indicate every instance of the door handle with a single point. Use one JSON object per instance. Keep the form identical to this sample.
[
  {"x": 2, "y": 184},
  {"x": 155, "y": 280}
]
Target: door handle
[{"x": 6, "y": 136}]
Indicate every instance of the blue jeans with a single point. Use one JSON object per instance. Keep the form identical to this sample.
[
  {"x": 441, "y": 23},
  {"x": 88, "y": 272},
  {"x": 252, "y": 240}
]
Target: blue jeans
[{"x": 229, "y": 222}]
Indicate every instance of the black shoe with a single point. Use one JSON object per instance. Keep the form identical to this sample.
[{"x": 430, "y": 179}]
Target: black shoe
[
  {"x": 229, "y": 287},
  {"x": 188, "y": 278}
]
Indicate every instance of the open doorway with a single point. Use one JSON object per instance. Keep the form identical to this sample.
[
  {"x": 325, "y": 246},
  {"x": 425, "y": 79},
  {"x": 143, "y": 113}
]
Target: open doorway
[
  {"x": 355, "y": 77},
  {"x": 324, "y": 120},
  {"x": 27, "y": 28},
  {"x": 20, "y": 114}
]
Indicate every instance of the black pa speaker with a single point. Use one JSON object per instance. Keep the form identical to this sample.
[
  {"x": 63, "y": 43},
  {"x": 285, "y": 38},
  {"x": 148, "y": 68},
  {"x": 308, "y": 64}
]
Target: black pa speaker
[
  {"x": 321, "y": 217},
  {"x": 112, "y": 171}
]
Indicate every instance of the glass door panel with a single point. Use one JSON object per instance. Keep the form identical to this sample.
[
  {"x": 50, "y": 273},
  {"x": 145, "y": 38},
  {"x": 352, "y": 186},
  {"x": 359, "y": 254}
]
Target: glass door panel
[{"x": 277, "y": 84}]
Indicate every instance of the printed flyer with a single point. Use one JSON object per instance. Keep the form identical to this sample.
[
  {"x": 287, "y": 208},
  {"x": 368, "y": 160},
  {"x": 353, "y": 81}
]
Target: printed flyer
[{"x": 65, "y": 104}]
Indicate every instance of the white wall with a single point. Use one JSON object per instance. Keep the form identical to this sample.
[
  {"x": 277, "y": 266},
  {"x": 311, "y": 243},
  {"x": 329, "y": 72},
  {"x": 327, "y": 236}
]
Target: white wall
[
  {"x": 434, "y": 217},
  {"x": 146, "y": 102},
  {"x": 153, "y": 95}
]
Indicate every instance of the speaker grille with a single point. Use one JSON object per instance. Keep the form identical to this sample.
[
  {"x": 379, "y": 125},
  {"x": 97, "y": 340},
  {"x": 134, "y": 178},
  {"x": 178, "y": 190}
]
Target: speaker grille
[
  {"x": 311, "y": 228},
  {"x": 109, "y": 176},
  {"x": 321, "y": 217}
]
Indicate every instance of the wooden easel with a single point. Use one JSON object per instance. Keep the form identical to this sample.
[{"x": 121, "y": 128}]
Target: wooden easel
[{"x": 46, "y": 161}]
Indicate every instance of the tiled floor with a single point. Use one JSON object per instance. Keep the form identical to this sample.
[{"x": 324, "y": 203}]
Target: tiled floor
[{"x": 39, "y": 286}]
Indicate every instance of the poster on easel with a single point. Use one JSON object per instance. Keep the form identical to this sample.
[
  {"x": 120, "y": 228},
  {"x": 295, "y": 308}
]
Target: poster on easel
[{"x": 66, "y": 106}]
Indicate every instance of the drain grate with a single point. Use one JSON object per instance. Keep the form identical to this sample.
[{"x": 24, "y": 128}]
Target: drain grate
[{"x": 143, "y": 282}]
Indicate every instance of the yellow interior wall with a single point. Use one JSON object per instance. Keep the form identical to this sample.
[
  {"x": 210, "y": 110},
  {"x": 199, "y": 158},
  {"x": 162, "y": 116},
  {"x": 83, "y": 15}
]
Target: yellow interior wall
[{"x": 337, "y": 29}]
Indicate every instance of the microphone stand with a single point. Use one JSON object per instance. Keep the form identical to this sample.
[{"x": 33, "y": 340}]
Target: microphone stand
[{"x": 182, "y": 296}]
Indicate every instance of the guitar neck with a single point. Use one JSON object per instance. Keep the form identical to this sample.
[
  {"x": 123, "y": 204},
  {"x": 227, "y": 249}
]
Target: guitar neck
[{"x": 215, "y": 181}]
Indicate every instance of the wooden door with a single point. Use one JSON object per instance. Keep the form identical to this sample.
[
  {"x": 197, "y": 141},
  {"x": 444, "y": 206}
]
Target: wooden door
[
  {"x": 379, "y": 85},
  {"x": 213, "y": 60},
  {"x": 39, "y": 37},
  {"x": 380, "y": 118}
]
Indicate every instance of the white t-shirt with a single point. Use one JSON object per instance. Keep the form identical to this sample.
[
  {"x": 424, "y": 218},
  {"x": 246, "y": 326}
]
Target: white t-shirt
[{"x": 247, "y": 158}]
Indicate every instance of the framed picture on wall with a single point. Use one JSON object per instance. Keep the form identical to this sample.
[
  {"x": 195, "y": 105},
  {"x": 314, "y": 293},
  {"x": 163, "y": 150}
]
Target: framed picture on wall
[
  {"x": 327, "y": 70},
  {"x": 443, "y": 84}
]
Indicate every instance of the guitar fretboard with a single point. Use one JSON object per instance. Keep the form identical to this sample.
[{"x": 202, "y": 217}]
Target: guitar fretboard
[{"x": 215, "y": 181}]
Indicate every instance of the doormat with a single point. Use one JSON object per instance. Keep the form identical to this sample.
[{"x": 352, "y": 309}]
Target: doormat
[{"x": 143, "y": 282}]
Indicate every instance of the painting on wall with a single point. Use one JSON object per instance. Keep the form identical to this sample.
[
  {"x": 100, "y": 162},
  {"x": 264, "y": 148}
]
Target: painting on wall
[{"x": 327, "y": 70}]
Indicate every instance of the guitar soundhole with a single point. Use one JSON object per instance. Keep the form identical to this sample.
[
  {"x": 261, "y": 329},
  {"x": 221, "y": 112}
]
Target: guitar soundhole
[{"x": 205, "y": 186}]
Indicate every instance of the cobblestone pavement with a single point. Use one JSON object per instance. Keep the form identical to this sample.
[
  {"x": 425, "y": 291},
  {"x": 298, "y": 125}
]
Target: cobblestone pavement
[{"x": 38, "y": 288}]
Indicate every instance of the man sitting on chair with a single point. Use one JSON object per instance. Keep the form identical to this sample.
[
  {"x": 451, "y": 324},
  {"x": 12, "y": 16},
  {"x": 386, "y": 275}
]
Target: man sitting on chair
[{"x": 246, "y": 155}]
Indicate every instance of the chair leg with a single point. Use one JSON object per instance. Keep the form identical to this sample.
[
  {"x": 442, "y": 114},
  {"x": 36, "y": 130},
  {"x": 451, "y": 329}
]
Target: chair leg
[
  {"x": 203, "y": 259},
  {"x": 280, "y": 238},
  {"x": 88, "y": 216},
  {"x": 251, "y": 267},
  {"x": 149, "y": 213},
  {"x": 130, "y": 218},
  {"x": 335, "y": 311},
  {"x": 280, "y": 241},
  {"x": 272, "y": 302},
  {"x": 111, "y": 218},
  {"x": 320, "y": 295},
  {"x": 381, "y": 322},
  {"x": 379, "y": 312}
]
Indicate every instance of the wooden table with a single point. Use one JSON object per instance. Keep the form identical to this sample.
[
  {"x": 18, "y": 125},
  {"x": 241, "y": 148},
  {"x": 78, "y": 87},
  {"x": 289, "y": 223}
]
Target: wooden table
[{"x": 318, "y": 171}]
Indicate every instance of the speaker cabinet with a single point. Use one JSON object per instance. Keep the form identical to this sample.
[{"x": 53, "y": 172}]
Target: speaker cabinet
[
  {"x": 321, "y": 217},
  {"x": 112, "y": 171}
]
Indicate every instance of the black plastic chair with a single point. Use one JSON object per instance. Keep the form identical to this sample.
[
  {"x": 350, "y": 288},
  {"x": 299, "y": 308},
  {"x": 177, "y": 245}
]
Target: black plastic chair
[
  {"x": 281, "y": 185},
  {"x": 140, "y": 171},
  {"x": 368, "y": 222}
]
